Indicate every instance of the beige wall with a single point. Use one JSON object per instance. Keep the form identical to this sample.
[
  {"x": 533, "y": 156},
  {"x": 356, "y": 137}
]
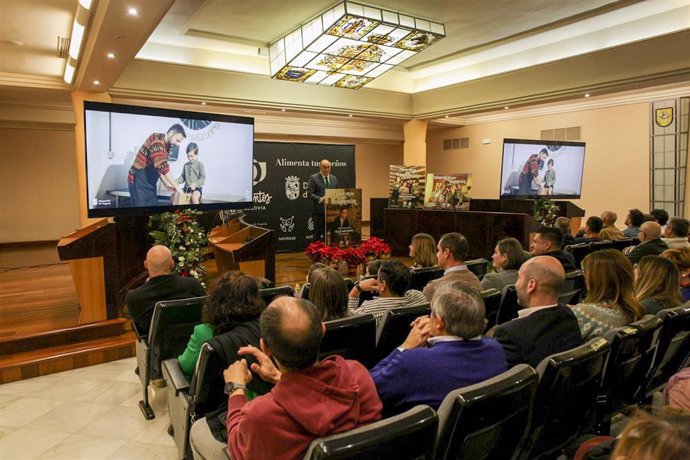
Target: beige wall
[
  {"x": 616, "y": 172},
  {"x": 38, "y": 185},
  {"x": 372, "y": 165}
]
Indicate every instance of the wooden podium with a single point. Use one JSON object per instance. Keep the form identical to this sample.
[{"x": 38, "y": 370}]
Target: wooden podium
[
  {"x": 104, "y": 258},
  {"x": 238, "y": 245}
]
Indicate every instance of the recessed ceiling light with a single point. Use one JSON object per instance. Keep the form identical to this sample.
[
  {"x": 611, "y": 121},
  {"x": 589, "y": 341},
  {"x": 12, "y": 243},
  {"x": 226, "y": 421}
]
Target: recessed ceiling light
[
  {"x": 96, "y": 82},
  {"x": 446, "y": 116},
  {"x": 349, "y": 115},
  {"x": 133, "y": 11},
  {"x": 111, "y": 55},
  {"x": 203, "y": 103},
  {"x": 587, "y": 95},
  {"x": 282, "y": 110},
  {"x": 506, "y": 107}
]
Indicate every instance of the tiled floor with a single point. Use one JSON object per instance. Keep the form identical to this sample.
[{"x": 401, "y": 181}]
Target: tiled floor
[{"x": 90, "y": 413}]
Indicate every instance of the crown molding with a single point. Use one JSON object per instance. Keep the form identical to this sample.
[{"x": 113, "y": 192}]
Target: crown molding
[{"x": 32, "y": 81}]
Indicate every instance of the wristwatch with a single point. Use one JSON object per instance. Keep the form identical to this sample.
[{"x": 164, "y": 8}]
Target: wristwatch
[{"x": 232, "y": 386}]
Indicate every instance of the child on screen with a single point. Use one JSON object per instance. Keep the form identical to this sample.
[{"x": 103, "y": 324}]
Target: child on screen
[
  {"x": 549, "y": 178},
  {"x": 193, "y": 174}
]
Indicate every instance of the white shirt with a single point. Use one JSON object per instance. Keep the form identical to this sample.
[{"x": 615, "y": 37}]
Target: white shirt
[
  {"x": 525, "y": 312},
  {"x": 455, "y": 268}
]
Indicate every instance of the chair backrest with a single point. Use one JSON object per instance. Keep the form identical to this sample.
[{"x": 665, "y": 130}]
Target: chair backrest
[
  {"x": 353, "y": 337},
  {"x": 633, "y": 349},
  {"x": 305, "y": 291},
  {"x": 395, "y": 326},
  {"x": 579, "y": 251},
  {"x": 624, "y": 243},
  {"x": 268, "y": 294},
  {"x": 569, "y": 298},
  {"x": 478, "y": 266},
  {"x": 568, "y": 387},
  {"x": 206, "y": 388},
  {"x": 492, "y": 301},
  {"x": 508, "y": 309},
  {"x": 409, "y": 435},
  {"x": 574, "y": 280},
  {"x": 421, "y": 276},
  {"x": 599, "y": 245},
  {"x": 488, "y": 420},
  {"x": 172, "y": 323},
  {"x": 674, "y": 346}
]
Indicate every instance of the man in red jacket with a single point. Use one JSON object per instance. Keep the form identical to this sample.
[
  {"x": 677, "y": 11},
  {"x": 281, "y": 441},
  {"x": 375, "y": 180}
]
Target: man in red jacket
[{"x": 311, "y": 399}]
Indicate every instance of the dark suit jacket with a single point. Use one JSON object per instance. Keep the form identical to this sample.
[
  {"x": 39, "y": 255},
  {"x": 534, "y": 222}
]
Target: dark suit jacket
[
  {"x": 650, "y": 248},
  {"x": 317, "y": 189},
  {"x": 565, "y": 258},
  {"x": 543, "y": 333},
  {"x": 140, "y": 301}
]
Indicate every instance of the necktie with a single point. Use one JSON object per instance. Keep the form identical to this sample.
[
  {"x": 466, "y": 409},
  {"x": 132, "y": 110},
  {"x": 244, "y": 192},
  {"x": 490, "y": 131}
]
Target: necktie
[{"x": 327, "y": 182}]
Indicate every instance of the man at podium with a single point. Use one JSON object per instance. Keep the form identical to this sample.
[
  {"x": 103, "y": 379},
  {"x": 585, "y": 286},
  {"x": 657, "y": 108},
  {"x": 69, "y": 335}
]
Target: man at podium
[{"x": 318, "y": 183}]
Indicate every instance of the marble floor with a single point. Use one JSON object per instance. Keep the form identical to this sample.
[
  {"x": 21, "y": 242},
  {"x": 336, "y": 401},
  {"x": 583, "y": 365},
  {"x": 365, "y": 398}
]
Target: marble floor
[{"x": 89, "y": 413}]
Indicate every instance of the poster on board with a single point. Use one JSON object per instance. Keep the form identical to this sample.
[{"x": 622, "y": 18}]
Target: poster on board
[
  {"x": 343, "y": 217},
  {"x": 406, "y": 186},
  {"x": 448, "y": 191}
]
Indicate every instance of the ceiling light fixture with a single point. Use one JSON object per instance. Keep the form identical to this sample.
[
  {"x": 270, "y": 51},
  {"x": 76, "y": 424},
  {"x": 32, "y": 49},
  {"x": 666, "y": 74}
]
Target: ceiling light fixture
[
  {"x": 111, "y": 55},
  {"x": 96, "y": 82},
  {"x": 81, "y": 19},
  {"x": 506, "y": 107},
  {"x": 203, "y": 103},
  {"x": 349, "y": 45},
  {"x": 133, "y": 11},
  {"x": 587, "y": 95}
]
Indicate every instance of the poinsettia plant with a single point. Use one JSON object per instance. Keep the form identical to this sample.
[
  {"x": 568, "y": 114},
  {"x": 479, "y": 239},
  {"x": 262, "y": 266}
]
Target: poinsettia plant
[
  {"x": 374, "y": 248},
  {"x": 180, "y": 232},
  {"x": 319, "y": 252}
]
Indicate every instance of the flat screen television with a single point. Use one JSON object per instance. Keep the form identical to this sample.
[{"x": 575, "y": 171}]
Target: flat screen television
[
  {"x": 143, "y": 160},
  {"x": 541, "y": 169}
]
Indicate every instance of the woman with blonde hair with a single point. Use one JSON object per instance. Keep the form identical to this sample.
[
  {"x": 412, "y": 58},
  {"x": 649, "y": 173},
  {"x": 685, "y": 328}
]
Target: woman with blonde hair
[
  {"x": 655, "y": 437},
  {"x": 329, "y": 293},
  {"x": 681, "y": 257},
  {"x": 423, "y": 251},
  {"x": 507, "y": 259},
  {"x": 656, "y": 284},
  {"x": 610, "y": 301}
]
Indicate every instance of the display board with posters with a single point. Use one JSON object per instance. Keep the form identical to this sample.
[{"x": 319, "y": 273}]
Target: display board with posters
[
  {"x": 281, "y": 176},
  {"x": 448, "y": 191},
  {"x": 343, "y": 217},
  {"x": 406, "y": 186}
]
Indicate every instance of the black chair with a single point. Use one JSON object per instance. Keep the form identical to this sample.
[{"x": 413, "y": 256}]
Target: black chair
[
  {"x": 574, "y": 280},
  {"x": 269, "y": 294},
  {"x": 599, "y": 245},
  {"x": 492, "y": 301},
  {"x": 488, "y": 420},
  {"x": 569, "y": 383},
  {"x": 478, "y": 266},
  {"x": 172, "y": 324},
  {"x": 422, "y": 276},
  {"x": 624, "y": 243},
  {"x": 579, "y": 251},
  {"x": 508, "y": 309},
  {"x": 353, "y": 337},
  {"x": 632, "y": 352},
  {"x": 569, "y": 298},
  {"x": 305, "y": 291},
  {"x": 409, "y": 435},
  {"x": 395, "y": 326},
  {"x": 674, "y": 348}
]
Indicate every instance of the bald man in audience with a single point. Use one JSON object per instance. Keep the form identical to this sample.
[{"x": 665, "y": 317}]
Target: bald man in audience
[
  {"x": 650, "y": 242},
  {"x": 543, "y": 326},
  {"x": 160, "y": 285},
  {"x": 610, "y": 231}
]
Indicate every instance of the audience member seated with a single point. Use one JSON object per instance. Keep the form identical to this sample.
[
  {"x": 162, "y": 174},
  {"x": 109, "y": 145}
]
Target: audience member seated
[
  {"x": 593, "y": 227},
  {"x": 660, "y": 217},
  {"x": 507, "y": 258},
  {"x": 610, "y": 301},
  {"x": 650, "y": 243},
  {"x": 328, "y": 291},
  {"x": 372, "y": 268},
  {"x": 423, "y": 251},
  {"x": 233, "y": 304},
  {"x": 310, "y": 274},
  {"x": 452, "y": 252},
  {"x": 543, "y": 327},
  {"x": 656, "y": 284},
  {"x": 457, "y": 356},
  {"x": 311, "y": 399},
  {"x": 563, "y": 224},
  {"x": 547, "y": 242},
  {"x": 681, "y": 257},
  {"x": 633, "y": 220},
  {"x": 160, "y": 285},
  {"x": 677, "y": 390},
  {"x": 391, "y": 286},
  {"x": 610, "y": 231},
  {"x": 676, "y": 233}
]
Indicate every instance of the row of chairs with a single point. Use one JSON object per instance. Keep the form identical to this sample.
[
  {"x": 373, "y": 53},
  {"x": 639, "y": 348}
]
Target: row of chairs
[
  {"x": 422, "y": 276},
  {"x": 581, "y": 250}
]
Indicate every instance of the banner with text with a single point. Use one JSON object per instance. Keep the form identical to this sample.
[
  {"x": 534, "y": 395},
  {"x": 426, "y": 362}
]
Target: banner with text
[{"x": 281, "y": 176}]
